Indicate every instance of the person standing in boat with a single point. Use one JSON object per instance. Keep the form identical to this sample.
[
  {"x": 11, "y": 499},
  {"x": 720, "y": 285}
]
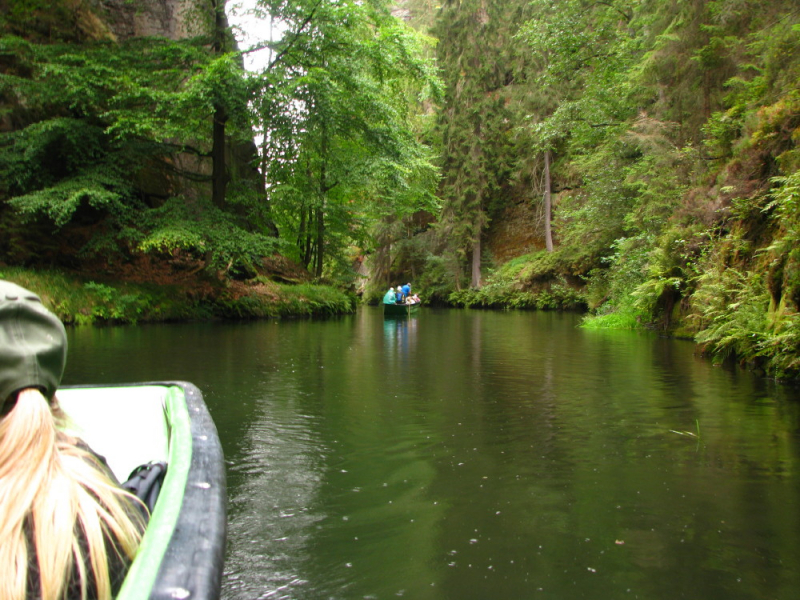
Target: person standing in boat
[
  {"x": 406, "y": 291},
  {"x": 389, "y": 297},
  {"x": 67, "y": 529}
]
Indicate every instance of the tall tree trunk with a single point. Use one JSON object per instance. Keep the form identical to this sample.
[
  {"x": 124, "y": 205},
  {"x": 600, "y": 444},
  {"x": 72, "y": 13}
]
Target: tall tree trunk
[
  {"x": 309, "y": 239},
  {"x": 548, "y": 235},
  {"x": 219, "y": 175},
  {"x": 476, "y": 263},
  {"x": 320, "y": 241},
  {"x": 324, "y": 188},
  {"x": 302, "y": 238}
]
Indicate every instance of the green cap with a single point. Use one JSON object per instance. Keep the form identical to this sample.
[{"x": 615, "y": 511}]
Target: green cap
[{"x": 33, "y": 343}]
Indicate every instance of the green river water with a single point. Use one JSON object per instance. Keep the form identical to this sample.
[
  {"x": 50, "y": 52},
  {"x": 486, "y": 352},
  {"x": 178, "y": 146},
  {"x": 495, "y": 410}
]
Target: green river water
[{"x": 481, "y": 455}]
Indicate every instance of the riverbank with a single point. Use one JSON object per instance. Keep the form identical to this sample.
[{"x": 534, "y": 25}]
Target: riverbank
[{"x": 79, "y": 301}]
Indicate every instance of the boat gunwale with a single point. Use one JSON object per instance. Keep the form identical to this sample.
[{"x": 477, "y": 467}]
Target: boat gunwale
[
  {"x": 191, "y": 563},
  {"x": 399, "y": 310}
]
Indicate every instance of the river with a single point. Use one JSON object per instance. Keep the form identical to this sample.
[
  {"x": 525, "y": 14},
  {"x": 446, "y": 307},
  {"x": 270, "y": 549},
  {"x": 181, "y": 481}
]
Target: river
[{"x": 481, "y": 455}]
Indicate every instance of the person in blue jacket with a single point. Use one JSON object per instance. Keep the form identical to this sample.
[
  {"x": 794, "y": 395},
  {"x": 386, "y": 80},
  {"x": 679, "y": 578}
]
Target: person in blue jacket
[
  {"x": 389, "y": 297},
  {"x": 406, "y": 291},
  {"x": 399, "y": 298}
]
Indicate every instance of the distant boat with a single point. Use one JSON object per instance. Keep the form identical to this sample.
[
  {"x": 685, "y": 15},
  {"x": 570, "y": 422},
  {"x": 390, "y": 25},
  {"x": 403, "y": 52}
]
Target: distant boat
[
  {"x": 183, "y": 548},
  {"x": 400, "y": 310}
]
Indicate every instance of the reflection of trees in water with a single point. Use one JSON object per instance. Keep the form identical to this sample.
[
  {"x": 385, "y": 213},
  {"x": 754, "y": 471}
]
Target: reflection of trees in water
[{"x": 544, "y": 443}]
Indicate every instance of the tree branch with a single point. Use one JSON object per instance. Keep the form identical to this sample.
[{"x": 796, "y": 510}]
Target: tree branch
[
  {"x": 625, "y": 15},
  {"x": 296, "y": 36}
]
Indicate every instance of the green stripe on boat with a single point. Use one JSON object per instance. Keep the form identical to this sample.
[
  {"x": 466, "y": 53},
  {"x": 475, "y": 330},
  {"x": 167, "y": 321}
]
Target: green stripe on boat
[
  {"x": 142, "y": 575},
  {"x": 182, "y": 552}
]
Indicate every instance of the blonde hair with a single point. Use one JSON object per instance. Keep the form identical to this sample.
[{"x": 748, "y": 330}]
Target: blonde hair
[{"x": 62, "y": 515}]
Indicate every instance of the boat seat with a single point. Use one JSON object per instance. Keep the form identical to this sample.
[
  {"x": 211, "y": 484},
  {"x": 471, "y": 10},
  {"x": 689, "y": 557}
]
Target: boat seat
[{"x": 127, "y": 426}]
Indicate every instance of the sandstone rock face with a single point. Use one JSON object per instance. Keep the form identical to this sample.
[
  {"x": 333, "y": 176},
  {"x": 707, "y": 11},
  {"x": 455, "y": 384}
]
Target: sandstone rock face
[{"x": 173, "y": 19}]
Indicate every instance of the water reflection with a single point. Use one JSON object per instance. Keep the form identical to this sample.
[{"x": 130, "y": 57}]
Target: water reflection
[
  {"x": 400, "y": 334},
  {"x": 482, "y": 455}
]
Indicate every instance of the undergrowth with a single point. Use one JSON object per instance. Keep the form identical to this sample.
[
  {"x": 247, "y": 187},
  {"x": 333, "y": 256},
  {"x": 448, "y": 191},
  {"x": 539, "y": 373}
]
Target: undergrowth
[
  {"x": 625, "y": 318},
  {"x": 283, "y": 300},
  {"x": 78, "y": 302},
  {"x": 504, "y": 290}
]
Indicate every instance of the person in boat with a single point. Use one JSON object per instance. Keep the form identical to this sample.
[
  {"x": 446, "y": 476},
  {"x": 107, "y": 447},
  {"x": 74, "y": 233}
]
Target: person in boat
[
  {"x": 407, "y": 291},
  {"x": 389, "y": 297},
  {"x": 67, "y": 528},
  {"x": 413, "y": 299},
  {"x": 399, "y": 298}
]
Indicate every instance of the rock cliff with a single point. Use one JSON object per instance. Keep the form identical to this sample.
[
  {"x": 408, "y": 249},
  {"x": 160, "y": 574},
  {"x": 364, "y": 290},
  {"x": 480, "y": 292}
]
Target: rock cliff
[
  {"x": 173, "y": 19},
  {"x": 84, "y": 20}
]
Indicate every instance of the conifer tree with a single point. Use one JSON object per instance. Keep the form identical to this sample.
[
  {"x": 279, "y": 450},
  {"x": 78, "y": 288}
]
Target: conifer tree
[
  {"x": 478, "y": 60},
  {"x": 118, "y": 134}
]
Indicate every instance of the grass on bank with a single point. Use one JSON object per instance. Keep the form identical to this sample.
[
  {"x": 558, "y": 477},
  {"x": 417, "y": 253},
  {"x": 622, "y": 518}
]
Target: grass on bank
[
  {"x": 274, "y": 300},
  {"x": 80, "y": 302},
  {"x": 623, "y": 319}
]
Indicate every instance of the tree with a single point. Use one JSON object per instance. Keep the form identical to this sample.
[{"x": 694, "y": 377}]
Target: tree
[
  {"x": 338, "y": 148},
  {"x": 479, "y": 65},
  {"x": 219, "y": 175},
  {"x": 587, "y": 53},
  {"x": 548, "y": 208},
  {"x": 102, "y": 119}
]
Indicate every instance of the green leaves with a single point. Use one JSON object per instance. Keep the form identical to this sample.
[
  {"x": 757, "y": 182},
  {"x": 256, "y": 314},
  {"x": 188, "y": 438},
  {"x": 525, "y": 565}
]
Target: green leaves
[
  {"x": 105, "y": 121},
  {"x": 54, "y": 167},
  {"x": 733, "y": 306},
  {"x": 204, "y": 231},
  {"x": 61, "y": 201},
  {"x": 339, "y": 152}
]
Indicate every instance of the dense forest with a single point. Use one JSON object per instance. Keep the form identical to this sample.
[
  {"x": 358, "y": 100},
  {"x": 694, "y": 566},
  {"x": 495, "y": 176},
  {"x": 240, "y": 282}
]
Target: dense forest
[{"x": 636, "y": 159}]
